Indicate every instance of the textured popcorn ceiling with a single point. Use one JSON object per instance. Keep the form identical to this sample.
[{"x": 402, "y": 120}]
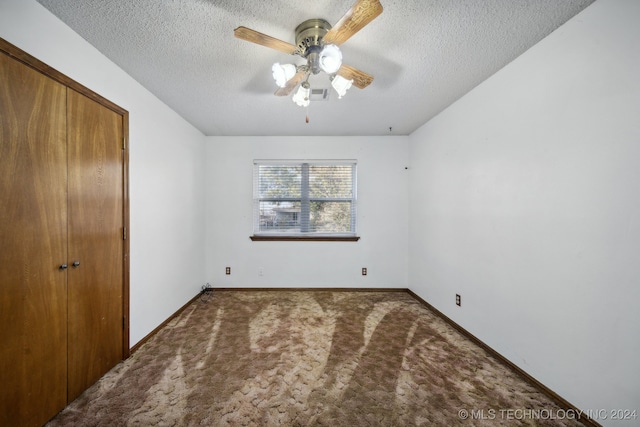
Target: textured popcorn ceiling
[{"x": 424, "y": 55}]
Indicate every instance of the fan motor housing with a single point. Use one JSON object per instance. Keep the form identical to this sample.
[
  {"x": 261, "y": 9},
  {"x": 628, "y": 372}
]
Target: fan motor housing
[{"x": 309, "y": 34}]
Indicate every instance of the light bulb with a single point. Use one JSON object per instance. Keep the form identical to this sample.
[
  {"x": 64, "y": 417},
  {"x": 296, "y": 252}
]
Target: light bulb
[
  {"x": 341, "y": 85},
  {"x": 282, "y": 73},
  {"x": 301, "y": 97},
  {"x": 330, "y": 59}
]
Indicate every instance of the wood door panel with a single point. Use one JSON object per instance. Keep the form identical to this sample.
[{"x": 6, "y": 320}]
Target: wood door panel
[
  {"x": 33, "y": 236},
  {"x": 96, "y": 221}
]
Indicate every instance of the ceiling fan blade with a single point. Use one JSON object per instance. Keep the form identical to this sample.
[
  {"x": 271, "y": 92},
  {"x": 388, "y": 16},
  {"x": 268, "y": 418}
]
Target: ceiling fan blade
[
  {"x": 360, "y": 14},
  {"x": 253, "y": 36},
  {"x": 291, "y": 84},
  {"x": 360, "y": 78}
]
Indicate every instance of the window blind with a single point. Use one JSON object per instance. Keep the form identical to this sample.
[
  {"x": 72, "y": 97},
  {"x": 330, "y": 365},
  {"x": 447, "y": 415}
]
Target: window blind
[{"x": 304, "y": 197}]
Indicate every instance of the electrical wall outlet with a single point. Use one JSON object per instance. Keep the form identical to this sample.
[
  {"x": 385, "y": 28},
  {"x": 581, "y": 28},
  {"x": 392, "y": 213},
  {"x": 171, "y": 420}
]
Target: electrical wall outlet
[
  {"x": 364, "y": 271},
  {"x": 458, "y": 300},
  {"x": 227, "y": 271}
]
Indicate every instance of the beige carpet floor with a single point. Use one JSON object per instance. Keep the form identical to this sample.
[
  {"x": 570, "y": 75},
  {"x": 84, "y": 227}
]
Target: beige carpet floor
[{"x": 306, "y": 358}]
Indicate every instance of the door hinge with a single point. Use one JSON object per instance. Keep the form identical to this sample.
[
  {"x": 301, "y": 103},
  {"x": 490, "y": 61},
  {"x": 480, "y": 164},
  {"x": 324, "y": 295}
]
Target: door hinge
[
  {"x": 124, "y": 143},
  {"x": 124, "y": 233},
  {"x": 124, "y": 322}
]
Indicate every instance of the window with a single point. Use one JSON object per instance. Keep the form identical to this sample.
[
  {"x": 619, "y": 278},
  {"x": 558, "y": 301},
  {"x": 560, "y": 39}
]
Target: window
[{"x": 304, "y": 200}]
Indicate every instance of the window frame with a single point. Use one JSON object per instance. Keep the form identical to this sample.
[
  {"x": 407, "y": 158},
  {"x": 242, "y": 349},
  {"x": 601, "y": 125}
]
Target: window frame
[{"x": 305, "y": 200}]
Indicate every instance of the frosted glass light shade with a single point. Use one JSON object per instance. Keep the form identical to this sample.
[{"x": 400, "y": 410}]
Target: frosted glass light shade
[
  {"x": 330, "y": 59},
  {"x": 301, "y": 97},
  {"x": 341, "y": 85},
  {"x": 282, "y": 73}
]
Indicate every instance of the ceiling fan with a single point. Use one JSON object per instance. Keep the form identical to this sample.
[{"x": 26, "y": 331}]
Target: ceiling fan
[{"x": 317, "y": 41}]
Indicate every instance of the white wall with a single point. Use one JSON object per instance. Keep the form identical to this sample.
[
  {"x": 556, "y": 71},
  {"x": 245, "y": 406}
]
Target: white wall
[
  {"x": 525, "y": 199},
  {"x": 381, "y": 218},
  {"x": 166, "y": 166}
]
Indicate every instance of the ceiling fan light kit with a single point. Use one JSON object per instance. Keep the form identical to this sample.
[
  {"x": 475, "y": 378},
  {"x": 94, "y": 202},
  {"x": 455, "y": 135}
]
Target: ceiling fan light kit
[
  {"x": 341, "y": 85},
  {"x": 302, "y": 96},
  {"x": 318, "y": 42},
  {"x": 330, "y": 59},
  {"x": 282, "y": 73}
]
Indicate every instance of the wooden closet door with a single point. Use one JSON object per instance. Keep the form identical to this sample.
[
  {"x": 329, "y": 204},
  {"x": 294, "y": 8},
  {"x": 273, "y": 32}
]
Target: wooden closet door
[
  {"x": 96, "y": 221},
  {"x": 33, "y": 246}
]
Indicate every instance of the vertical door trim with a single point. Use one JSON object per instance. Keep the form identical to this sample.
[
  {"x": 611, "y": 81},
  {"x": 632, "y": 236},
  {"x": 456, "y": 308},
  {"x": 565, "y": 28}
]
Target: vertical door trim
[{"x": 126, "y": 350}]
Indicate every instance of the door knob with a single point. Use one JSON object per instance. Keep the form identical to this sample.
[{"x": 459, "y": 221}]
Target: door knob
[
  {"x": 63, "y": 266},
  {"x": 75, "y": 263}
]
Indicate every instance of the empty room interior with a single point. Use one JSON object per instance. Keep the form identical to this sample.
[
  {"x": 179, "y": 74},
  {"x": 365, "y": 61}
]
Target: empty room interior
[{"x": 492, "y": 146}]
